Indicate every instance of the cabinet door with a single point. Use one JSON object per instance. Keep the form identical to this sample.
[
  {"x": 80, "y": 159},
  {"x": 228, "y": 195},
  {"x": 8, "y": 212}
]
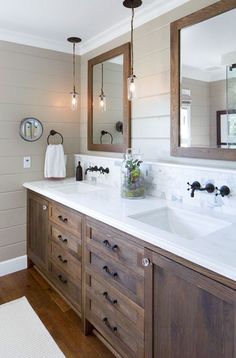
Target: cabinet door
[
  {"x": 187, "y": 315},
  {"x": 37, "y": 223}
]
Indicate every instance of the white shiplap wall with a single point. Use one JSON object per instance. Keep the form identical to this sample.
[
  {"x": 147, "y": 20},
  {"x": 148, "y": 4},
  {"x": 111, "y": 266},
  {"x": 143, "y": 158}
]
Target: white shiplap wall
[{"x": 33, "y": 82}]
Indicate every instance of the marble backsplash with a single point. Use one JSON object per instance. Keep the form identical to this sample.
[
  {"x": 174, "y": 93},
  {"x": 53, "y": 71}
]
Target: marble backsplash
[{"x": 169, "y": 181}]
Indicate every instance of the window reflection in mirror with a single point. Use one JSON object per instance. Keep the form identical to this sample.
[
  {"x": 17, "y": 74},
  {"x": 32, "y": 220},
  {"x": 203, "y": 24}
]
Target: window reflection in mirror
[
  {"x": 108, "y": 101},
  {"x": 208, "y": 83}
]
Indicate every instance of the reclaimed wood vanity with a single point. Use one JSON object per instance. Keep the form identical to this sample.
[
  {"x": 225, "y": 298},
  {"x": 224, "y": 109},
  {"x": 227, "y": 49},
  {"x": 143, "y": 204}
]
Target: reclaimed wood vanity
[{"x": 143, "y": 301}]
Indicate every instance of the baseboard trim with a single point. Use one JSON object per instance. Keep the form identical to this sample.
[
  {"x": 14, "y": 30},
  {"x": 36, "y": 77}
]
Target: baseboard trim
[{"x": 13, "y": 265}]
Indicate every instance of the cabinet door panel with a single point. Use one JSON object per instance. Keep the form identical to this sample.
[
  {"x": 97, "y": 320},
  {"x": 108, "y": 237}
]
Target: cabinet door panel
[
  {"x": 37, "y": 230},
  {"x": 187, "y": 314}
]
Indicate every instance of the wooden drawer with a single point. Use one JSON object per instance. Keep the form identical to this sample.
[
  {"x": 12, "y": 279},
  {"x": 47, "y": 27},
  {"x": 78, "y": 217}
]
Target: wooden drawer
[
  {"x": 120, "y": 336},
  {"x": 115, "y": 244},
  {"x": 118, "y": 305},
  {"x": 66, "y": 218},
  {"x": 66, "y": 240},
  {"x": 68, "y": 288},
  {"x": 65, "y": 261},
  {"x": 126, "y": 281}
]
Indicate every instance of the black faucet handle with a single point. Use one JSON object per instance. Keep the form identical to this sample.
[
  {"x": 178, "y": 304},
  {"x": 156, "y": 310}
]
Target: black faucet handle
[
  {"x": 223, "y": 191},
  {"x": 195, "y": 185},
  {"x": 210, "y": 188}
]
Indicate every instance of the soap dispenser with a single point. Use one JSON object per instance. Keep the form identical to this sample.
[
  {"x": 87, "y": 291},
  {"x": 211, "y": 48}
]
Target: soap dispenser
[{"x": 79, "y": 172}]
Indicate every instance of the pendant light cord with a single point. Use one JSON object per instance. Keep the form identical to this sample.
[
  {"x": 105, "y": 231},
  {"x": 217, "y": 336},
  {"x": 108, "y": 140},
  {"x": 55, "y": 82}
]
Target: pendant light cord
[
  {"x": 74, "y": 67},
  {"x": 132, "y": 42},
  {"x": 102, "y": 81}
]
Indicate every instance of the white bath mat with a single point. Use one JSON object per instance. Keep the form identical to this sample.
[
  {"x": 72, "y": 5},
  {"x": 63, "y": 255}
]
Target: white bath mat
[{"x": 23, "y": 335}]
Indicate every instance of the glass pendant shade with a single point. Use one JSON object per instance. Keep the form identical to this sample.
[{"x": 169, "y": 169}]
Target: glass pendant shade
[
  {"x": 74, "y": 94},
  {"x": 102, "y": 103},
  {"x": 132, "y": 87},
  {"x": 74, "y": 101}
]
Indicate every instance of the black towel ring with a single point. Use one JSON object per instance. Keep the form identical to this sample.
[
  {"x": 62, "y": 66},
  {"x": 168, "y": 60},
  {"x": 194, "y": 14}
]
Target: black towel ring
[{"x": 52, "y": 132}]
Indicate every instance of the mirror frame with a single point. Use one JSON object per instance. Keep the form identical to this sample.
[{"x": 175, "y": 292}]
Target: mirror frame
[
  {"x": 176, "y": 150},
  {"x": 125, "y": 51},
  {"x": 24, "y": 120}
]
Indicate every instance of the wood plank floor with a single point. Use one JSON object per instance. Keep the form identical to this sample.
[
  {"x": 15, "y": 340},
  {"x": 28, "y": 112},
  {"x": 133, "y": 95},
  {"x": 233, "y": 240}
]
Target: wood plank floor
[{"x": 62, "y": 323}]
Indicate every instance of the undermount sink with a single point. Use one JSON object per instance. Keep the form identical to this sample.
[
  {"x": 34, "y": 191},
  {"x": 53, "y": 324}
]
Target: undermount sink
[
  {"x": 181, "y": 222},
  {"x": 76, "y": 188}
]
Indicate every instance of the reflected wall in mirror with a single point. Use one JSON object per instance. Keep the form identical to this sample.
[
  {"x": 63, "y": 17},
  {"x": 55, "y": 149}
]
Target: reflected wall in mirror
[
  {"x": 204, "y": 83},
  {"x": 31, "y": 129},
  {"x": 108, "y": 107}
]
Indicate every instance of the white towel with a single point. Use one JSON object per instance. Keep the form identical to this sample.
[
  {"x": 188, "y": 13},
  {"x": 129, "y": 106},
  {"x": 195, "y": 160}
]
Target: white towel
[{"x": 55, "y": 165}]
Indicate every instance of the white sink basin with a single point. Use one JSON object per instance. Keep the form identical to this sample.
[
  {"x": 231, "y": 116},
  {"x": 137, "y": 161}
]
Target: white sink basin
[
  {"x": 181, "y": 222},
  {"x": 76, "y": 188}
]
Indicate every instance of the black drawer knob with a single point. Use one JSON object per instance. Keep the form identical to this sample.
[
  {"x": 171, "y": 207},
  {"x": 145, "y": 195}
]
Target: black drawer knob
[
  {"x": 62, "y": 279},
  {"x": 64, "y": 220},
  {"x": 107, "y": 270},
  {"x": 106, "y": 322},
  {"x": 107, "y": 297},
  {"x": 60, "y": 258},
  {"x": 64, "y": 241},
  {"x": 109, "y": 246}
]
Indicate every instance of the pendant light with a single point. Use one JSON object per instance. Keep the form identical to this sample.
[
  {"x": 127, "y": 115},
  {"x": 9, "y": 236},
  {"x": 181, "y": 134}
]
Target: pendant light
[
  {"x": 102, "y": 97},
  {"x": 132, "y": 4},
  {"x": 74, "y": 94}
]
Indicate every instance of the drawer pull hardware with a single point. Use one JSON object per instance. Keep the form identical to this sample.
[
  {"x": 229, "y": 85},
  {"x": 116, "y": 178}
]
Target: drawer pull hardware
[
  {"x": 64, "y": 261},
  {"x": 64, "y": 241},
  {"x": 64, "y": 220},
  {"x": 113, "y": 302},
  {"x": 109, "y": 246},
  {"x": 113, "y": 329},
  {"x": 146, "y": 262},
  {"x": 113, "y": 274},
  {"x": 44, "y": 207},
  {"x": 62, "y": 279}
]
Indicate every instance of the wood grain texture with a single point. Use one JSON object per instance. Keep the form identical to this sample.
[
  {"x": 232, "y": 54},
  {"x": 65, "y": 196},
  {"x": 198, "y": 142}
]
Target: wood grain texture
[
  {"x": 37, "y": 230},
  {"x": 204, "y": 14},
  {"x": 191, "y": 315},
  {"x": 60, "y": 320}
]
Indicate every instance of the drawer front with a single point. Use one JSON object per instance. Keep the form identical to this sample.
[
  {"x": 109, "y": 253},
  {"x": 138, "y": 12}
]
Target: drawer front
[
  {"x": 119, "y": 306},
  {"x": 117, "y": 275},
  {"x": 66, "y": 240},
  {"x": 65, "y": 261},
  {"x": 66, "y": 218},
  {"x": 116, "y": 245},
  {"x": 121, "y": 337},
  {"x": 68, "y": 288}
]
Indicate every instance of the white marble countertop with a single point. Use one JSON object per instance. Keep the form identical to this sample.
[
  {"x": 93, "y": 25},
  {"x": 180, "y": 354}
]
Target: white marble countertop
[{"x": 215, "y": 251}]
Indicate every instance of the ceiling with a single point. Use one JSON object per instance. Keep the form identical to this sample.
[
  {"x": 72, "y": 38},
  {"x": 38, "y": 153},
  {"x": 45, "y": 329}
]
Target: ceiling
[{"x": 47, "y": 23}]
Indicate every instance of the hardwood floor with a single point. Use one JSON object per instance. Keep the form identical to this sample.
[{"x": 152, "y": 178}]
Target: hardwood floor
[{"x": 62, "y": 323}]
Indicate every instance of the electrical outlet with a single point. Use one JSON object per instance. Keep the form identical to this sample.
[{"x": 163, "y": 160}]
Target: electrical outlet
[{"x": 27, "y": 162}]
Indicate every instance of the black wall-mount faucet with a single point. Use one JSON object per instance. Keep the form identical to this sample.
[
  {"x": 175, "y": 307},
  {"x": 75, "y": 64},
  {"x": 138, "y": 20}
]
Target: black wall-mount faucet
[
  {"x": 101, "y": 170},
  {"x": 209, "y": 188}
]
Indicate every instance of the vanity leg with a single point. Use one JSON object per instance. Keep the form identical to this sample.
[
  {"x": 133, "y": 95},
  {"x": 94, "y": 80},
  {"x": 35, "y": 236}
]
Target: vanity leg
[{"x": 87, "y": 327}]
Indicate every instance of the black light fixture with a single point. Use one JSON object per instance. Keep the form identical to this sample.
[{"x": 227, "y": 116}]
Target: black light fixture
[
  {"x": 102, "y": 97},
  {"x": 132, "y": 4},
  {"x": 74, "y": 94}
]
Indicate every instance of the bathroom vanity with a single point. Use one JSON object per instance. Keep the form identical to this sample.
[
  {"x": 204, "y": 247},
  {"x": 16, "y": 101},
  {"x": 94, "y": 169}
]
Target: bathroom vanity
[{"x": 127, "y": 279}]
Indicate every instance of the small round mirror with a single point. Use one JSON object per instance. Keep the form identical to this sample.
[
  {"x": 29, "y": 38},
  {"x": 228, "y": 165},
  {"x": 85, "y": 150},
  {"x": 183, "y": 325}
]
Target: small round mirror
[{"x": 31, "y": 129}]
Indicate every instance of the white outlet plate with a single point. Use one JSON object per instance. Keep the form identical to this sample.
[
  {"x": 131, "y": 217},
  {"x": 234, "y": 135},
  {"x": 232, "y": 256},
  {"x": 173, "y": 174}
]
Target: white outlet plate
[{"x": 27, "y": 162}]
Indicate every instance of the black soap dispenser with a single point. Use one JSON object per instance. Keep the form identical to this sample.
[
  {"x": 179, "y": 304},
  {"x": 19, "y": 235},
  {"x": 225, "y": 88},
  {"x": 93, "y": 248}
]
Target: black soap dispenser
[{"x": 79, "y": 172}]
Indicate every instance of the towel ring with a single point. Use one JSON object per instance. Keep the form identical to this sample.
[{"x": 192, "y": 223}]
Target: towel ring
[{"x": 52, "y": 133}]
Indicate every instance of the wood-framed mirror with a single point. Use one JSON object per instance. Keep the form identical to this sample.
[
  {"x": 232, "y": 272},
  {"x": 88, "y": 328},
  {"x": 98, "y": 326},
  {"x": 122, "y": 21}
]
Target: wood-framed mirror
[
  {"x": 203, "y": 83},
  {"x": 109, "y": 111}
]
